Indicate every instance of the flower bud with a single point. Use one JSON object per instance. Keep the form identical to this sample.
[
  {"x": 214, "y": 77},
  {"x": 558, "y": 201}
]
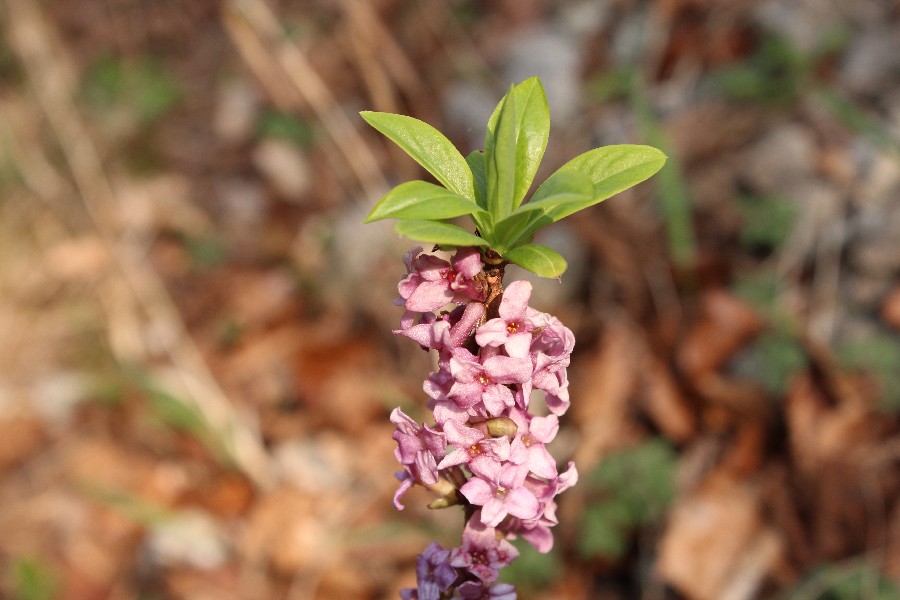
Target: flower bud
[
  {"x": 500, "y": 426},
  {"x": 444, "y": 488},
  {"x": 444, "y": 502}
]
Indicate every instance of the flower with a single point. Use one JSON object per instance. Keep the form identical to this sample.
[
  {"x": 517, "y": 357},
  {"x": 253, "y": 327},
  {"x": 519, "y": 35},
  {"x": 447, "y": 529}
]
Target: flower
[
  {"x": 511, "y": 329},
  {"x": 432, "y": 332},
  {"x": 485, "y": 381},
  {"x": 528, "y": 447},
  {"x": 471, "y": 446},
  {"x": 417, "y": 447},
  {"x": 481, "y": 552},
  {"x": 432, "y": 282},
  {"x": 477, "y": 392},
  {"x": 474, "y": 590},
  {"x": 434, "y": 574},
  {"x": 498, "y": 490}
]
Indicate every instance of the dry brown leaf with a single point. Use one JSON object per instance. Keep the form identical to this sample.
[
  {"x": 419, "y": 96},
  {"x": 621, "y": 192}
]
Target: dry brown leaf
[
  {"x": 286, "y": 531},
  {"x": 821, "y": 434},
  {"x": 716, "y": 545},
  {"x": 603, "y": 384},
  {"x": 890, "y": 308},
  {"x": 20, "y": 437},
  {"x": 665, "y": 403},
  {"x": 726, "y": 323}
]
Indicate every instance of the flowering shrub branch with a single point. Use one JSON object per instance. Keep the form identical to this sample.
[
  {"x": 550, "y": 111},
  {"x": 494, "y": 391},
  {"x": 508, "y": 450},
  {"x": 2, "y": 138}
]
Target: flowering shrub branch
[{"x": 486, "y": 450}]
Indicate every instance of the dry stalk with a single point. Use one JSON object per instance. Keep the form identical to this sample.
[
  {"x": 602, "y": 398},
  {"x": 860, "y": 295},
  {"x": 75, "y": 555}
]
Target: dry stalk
[{"x": 53, "y": 82}]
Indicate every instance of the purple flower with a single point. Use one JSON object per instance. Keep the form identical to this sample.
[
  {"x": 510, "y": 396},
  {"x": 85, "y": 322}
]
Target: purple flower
[
  {"x": 511, "y": 329},
  {"x": 474, "y": 590},
  {"x": 434, "y": 574},
  {"x": 486, "y": 381},
  {"x": 472, "y": 446},
  {"x": 498, "y": 490},
  {"x": 481, "y": 552}
]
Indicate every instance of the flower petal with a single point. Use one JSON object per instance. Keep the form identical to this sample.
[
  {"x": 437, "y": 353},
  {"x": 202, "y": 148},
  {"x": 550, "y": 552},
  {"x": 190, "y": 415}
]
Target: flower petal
[{"x": 515, "y": 300}]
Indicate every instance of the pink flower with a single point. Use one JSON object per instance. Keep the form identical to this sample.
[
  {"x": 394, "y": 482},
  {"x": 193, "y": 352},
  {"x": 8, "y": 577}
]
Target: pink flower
[
  {"x": 551, "y": 350},
  {"x": 498, "y": 490},
  {"x": 432, "y": 282},
  {"x": 481, "y": 553},
  {"x": 417, "y": 447},
  {"x": 486, "y": 381},
  {"x": 511, "y": 329},
  {"x": 472, "y": 446},
  {"x": 553, "y": 338},
  {"x": 448, "y": 410},
  {"x": 556, "y": 385},
  {"x": 528, "y": 447},
  {"x": 432, "y": 332}
]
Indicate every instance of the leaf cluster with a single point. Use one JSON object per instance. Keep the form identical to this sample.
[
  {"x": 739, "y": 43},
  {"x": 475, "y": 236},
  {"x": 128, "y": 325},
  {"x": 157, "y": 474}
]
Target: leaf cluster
[{"x": 490, "y": 186}]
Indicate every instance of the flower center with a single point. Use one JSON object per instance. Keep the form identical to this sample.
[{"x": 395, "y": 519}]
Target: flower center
[
  {"x": 527, "y": 440},
  {"x": 513, "y": 327},
  {"x": 479, "y": 556},
  {"x": 501, "y": 491},
  {"x": 475, "y": 450},
  {"x": 484, "y": 379}
]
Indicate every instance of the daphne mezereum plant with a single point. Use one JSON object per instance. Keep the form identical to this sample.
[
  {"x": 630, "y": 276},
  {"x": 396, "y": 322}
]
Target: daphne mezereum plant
[{"x": 485, "y": 451}]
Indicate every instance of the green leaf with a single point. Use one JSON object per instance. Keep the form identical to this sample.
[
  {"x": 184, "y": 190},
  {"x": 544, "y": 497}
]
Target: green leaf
[
  {"x": 437, "y": 232},
  {"x": 542, "y": 260},
  {"x": 563, "y": 189},
  {"x": 518, "y": 228},
  {"x": 421, "y": 200},
  {"x": 500, "y": 160},
  {"x": 532, "y": 125},
  {"x": 483, "y": 220},
  {"x": 475, "y": 160},
  {"x": 611, "y": 169},
  {"x": 428, "y": 147}
]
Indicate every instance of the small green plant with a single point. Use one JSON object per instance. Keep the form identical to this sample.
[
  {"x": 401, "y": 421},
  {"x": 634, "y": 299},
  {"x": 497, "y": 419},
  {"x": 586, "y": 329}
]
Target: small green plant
[
  {"x": 851, "y": 580},
  {"x": 143, "y": 86},
  {"x": 878, "y": 354},
  {"x": 629, "y": 489},
  {"x": 767, "y": 221},
  {"x": 285, "y": 126},
  {"x": 33, "y": 580}
]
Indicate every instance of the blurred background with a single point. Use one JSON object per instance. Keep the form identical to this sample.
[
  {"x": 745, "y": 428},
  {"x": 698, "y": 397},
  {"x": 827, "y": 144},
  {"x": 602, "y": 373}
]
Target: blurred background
[{"x": 196, "y": 364}]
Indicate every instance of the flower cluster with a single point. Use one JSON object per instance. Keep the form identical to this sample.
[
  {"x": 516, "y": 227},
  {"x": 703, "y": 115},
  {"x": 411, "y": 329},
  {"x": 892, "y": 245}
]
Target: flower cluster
[{"x": 485, "y": 450}]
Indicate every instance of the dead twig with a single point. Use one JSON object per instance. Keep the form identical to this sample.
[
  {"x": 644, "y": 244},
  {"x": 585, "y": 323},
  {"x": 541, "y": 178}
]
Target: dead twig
[{"x": 259, "y": 37}]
